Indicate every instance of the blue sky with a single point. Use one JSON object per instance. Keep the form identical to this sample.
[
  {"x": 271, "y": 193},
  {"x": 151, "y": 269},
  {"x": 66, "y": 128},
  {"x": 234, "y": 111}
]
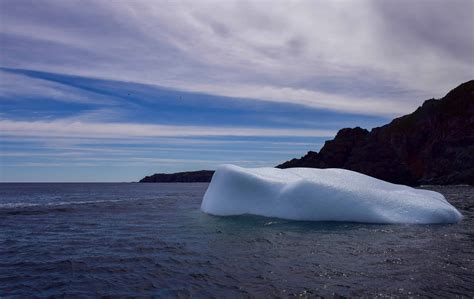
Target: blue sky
[{"x": 114, "y": 91}]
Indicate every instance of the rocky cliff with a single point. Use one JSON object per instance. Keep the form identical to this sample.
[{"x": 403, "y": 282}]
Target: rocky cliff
[{"x": 433, "y": 145}]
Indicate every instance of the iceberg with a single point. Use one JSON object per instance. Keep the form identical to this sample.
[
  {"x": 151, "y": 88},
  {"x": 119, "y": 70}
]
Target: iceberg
[{"x": 311, "y": 194}]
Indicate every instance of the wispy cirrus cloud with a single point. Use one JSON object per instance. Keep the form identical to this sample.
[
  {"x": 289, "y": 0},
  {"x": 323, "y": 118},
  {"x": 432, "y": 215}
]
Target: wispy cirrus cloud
[
  {"x": 333, "y": 55},
  {"x": 63, "y": 128},
  {"x": 16, "y": 86}
]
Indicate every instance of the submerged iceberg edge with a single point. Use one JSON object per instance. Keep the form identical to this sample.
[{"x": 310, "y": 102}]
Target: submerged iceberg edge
[{"x": 311, "y": 194}]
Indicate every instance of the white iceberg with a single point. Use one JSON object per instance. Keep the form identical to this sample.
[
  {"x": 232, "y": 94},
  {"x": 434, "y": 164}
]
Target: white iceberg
[{"x": 321, "y": 195}]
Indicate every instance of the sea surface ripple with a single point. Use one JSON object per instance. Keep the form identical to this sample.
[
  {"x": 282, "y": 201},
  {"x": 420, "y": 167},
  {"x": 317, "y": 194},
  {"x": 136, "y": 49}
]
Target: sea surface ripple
[{"x": 121, "y": 240}]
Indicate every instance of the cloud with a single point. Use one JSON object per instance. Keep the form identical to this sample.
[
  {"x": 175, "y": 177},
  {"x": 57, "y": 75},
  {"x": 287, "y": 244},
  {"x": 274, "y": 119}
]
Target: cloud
[
  {"x": 312, "y": 99},
  {"x": 438, "y": 26},
  {"x": 302, "y": 52},
  {"x": 15, "y": 86},
  {"x": 68, "y": 128}
]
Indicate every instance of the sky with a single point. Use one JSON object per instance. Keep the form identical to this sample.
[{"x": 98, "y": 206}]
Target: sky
[{"x": 111, "y": 91}]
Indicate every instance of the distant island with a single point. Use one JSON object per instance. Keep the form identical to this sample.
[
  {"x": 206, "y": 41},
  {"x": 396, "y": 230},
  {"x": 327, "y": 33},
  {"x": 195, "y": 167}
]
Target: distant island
[
  {"x": 433, "y": 145},
  {"x": 201, "y": 176}
]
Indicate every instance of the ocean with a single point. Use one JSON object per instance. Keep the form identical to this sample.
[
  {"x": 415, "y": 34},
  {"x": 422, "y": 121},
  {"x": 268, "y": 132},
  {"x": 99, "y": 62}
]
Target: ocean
[{"x": 151, "y": 240}]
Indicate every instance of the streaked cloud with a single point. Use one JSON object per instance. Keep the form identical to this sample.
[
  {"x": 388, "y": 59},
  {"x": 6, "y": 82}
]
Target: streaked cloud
[
  {"x": 63, "y": 128},
  {"x": 299, "y": 52}
]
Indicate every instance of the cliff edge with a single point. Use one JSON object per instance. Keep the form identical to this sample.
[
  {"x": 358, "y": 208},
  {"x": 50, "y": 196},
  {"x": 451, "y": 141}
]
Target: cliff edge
[{"x": 432, "y": 145}]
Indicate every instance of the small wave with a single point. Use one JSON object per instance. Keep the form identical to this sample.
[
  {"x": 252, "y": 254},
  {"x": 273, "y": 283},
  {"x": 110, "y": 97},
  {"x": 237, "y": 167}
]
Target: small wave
[
  {"x": 60, "y": 203},
  {"x": 28, "y": 208}
]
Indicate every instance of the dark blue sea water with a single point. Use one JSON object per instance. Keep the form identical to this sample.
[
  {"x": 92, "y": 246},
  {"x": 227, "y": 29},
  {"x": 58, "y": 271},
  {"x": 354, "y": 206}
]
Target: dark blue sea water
[{"x": 125, "y": 240}]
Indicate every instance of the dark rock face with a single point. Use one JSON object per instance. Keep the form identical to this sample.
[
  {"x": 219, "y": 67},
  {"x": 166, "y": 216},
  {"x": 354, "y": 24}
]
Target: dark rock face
[
  {"x": 433, "y": 145},
  {"x": 201, "y": 176}
]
